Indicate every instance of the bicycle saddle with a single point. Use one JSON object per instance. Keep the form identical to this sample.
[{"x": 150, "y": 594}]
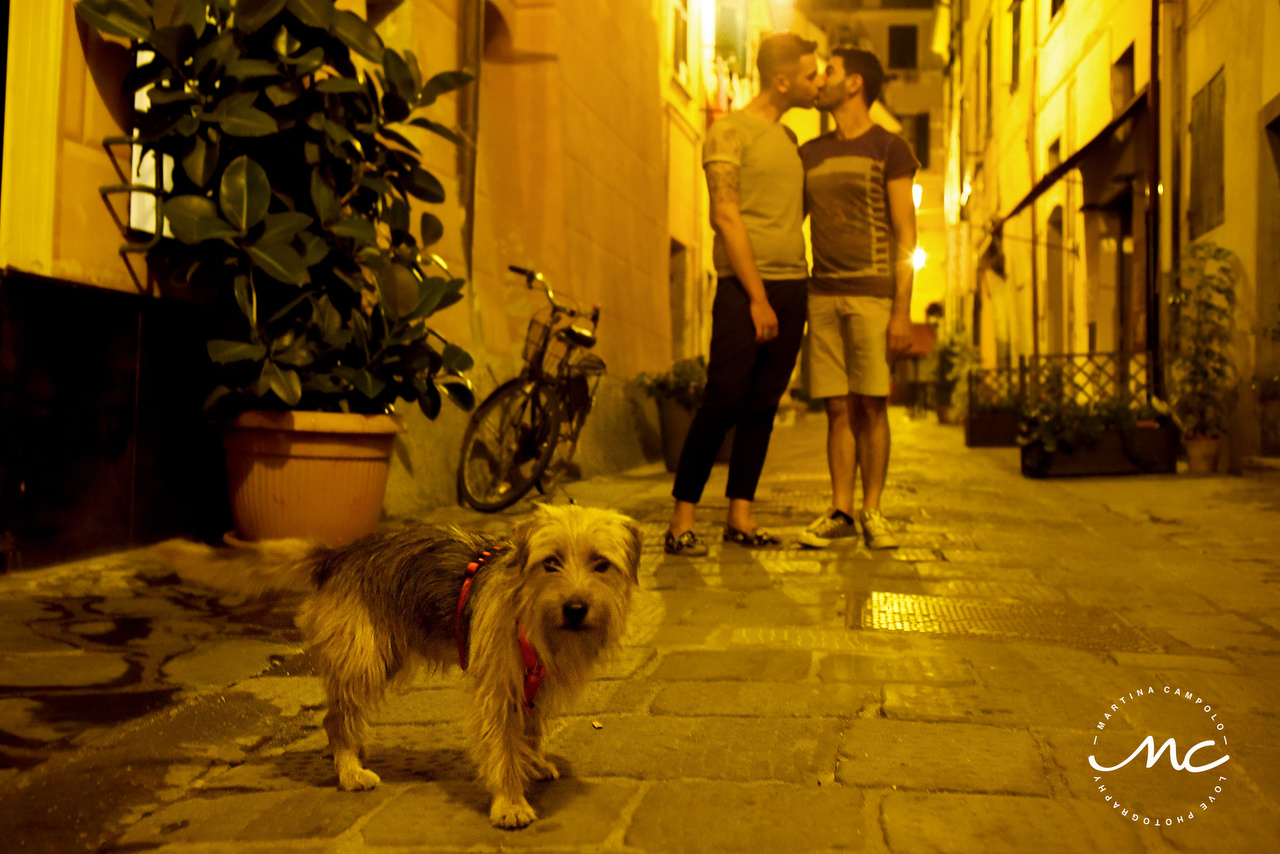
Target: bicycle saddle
[{"x": 584, "y": 338}]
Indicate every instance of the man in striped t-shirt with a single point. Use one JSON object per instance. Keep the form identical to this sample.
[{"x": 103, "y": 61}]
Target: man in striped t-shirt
[{"x": 858, "y": 181}]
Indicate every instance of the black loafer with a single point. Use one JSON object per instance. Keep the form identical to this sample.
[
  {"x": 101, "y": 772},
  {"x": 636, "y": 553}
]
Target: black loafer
[
  {"x": 758, "y": 538},
  {"x": 687, "y": 545}
]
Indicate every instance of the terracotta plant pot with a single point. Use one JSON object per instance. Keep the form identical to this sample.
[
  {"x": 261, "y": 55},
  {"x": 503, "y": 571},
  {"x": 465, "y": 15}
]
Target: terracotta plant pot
[
  {"x": 319, "y": 475},
  {"x": 675, "y": 422},
  {"x": 946, "y": 413},
  {"x": 1202, "y": 454}
]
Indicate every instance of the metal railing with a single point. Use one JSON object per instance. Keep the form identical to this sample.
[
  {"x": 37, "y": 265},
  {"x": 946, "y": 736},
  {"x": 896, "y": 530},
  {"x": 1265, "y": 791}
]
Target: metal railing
[{"x": 1081, "y": 378}]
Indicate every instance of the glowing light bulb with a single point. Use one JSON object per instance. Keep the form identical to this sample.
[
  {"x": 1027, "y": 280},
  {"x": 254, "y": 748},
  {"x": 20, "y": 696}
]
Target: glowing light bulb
[{"x": 918, "y": 258}]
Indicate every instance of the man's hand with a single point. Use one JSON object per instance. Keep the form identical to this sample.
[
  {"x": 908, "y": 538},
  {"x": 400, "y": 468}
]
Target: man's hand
[
  {"x": 765, "y": 320},
  {"x": 900, "y": 336}
]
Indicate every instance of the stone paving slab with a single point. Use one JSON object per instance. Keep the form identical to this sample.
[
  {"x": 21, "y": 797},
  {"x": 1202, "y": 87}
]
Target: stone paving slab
[
  {"x": 256, "y": 817},
  {"x": 876, "y": 669},
  {"x": 1004, "y": 824},
  {"x": 755, "y": 817},
  {"x": 954, "y": 757},
  {"x": 571, "y": 812},
  {"x": 747, "y": 665},
  {"x": 708, "y": 748},
  {"x": 765, "y": 699}
]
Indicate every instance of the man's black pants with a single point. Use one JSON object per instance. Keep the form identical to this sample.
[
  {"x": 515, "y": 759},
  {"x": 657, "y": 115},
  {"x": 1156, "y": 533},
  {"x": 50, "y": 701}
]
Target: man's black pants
[{"x": 745, "y": 381}]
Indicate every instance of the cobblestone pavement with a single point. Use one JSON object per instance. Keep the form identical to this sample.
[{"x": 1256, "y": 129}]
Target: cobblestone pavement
[{"x": 943, "y": 697}]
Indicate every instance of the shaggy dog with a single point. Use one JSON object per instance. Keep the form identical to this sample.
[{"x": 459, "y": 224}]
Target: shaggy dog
[{"x": 531, "y": 615}]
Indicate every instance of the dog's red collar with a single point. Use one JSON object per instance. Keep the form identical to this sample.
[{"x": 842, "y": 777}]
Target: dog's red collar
[
  {"x": 534, "y": 669},
  {"x": 460, "y": 634}
]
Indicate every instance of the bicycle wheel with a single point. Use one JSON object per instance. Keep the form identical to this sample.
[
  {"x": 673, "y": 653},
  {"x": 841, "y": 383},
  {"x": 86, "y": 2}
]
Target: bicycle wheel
[{"x": 508, "y": 444}]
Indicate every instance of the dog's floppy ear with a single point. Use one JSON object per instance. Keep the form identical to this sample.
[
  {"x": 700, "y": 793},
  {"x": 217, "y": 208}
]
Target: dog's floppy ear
[{"x": 634, "y": 543}]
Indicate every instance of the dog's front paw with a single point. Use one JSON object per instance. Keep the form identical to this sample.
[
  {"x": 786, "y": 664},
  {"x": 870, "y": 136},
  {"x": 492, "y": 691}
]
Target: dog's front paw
[
  {"x": 545, "y": 769},
  {"x": 511, "y": 814},
  {"x": 356, "y": 778}
]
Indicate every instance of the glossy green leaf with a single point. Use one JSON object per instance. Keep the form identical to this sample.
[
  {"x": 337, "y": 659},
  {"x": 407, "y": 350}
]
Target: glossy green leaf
[
  {"x": 313, "y": 13},
  {"x": 299, "y": 354},
  {"x": 334, "y": 85},
  {"x": 251, "y": 15},
  {"x": 399, "y": 77},
  {"x": 245, "y": 69},
  {"x": 247, "y": 120},
  {"x": 283, "y": 227},
  {"x": 398, "y": 139},
  {"x": 412, "y": 62},
  {"x": 225, "y": 352},
  {"x": 200, "y": 160},
  {"x": 175, "y": 13},
  {"x": 281, "y": 94},
  {"x": 183, "y": 212},
  {"x": 431, "y": 290},
  {"x": 355, "y": 33},
  {"x": 216, "y": 395},
  {"x": 355, "y": 227},
  {"x": 323, "y": 198},
  {"x": 340, "y": 135},
  {"x": 144, "y": 75},
  {"x": 395, "y": 107},
  {"x": 286, "y": 383},
  {"x": 160, "y": 96},
  {"x": 456, "y": 359},
  {"x": 114, "y": 18},
  {"x": 448, "y": 300},
  {"x": 315, "y": 249},
  {"x": 325, "y": 384},
  {"x": 281, "y": 262},
  {"x": 439, "y": 129},
  {"x": 216, "y": 54},
  {"x": 425, "y": 186},
  {"x": 445, "y": 81},
  {"x": 245, "y": 193},
  {"x": 213, "y": 228},
  {"x": 310, "y": 62},
  {"x": 429, "y": 400},
  {"x": 432, "y": 229},
  {"x": 376, "y": 183},
  {"x": 460, "y": 391},
  {"x": 361, "y": 380},
  {"x": 247, "y": 299}
]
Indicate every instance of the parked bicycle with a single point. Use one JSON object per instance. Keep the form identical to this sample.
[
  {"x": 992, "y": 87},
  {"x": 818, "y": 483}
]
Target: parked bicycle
[{"x": 515, "y": 432}]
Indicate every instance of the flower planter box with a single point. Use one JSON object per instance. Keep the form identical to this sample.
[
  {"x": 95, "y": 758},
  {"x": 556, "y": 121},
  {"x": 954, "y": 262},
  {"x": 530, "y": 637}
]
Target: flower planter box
[
  {"x": 1144, "y": 450},
  {"x": 996, "y": 428}
]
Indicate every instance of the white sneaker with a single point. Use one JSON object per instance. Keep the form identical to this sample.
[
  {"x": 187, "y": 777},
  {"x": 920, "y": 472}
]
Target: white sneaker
[
  {"x": 875, "y": 530},
  {"x": 827, "y": 527}
]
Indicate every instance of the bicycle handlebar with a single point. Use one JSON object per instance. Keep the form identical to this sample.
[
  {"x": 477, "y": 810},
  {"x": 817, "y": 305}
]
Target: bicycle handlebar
[{"x": 531, "y": 276}]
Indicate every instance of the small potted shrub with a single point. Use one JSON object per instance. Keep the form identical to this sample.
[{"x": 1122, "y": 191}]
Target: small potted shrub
[
  {"x": 678, "y": 393},
  {"x": 1201, "y": 366},
  {"x": 991, "y": 418},
  {"x": 292, "y": 171},
  {"x": 954, "y": 357}
]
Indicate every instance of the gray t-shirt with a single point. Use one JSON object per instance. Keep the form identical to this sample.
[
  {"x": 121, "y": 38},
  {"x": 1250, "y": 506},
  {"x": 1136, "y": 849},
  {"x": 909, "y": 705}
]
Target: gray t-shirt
[{"x": 770, "y": 191}]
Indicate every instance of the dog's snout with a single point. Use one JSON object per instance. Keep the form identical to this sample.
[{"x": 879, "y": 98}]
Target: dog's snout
[{"x": 575, "y": 613}]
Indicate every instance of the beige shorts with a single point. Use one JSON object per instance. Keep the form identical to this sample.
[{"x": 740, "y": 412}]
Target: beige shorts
[{"x": 848, "y": 345}]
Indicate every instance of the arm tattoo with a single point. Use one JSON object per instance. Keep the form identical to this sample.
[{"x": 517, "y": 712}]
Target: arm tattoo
[{"x": 722, "y": 183}]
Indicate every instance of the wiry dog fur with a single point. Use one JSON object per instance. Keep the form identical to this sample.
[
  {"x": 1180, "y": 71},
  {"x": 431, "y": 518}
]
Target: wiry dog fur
[{"x": 389, "y": 600}]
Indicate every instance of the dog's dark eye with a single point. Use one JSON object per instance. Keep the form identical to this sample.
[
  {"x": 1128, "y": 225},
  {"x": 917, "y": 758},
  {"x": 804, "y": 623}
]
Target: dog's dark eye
[
  {"x": 551, "y": 564},
  {"x": 602, "y": 566}
]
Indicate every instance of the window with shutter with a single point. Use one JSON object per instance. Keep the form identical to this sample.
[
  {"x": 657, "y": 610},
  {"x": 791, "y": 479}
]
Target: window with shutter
[{"x": 1207, "y": 208}]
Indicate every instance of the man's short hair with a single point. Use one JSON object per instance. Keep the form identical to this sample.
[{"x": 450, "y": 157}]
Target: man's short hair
[
  {"x": 864, "y": 64},
  {"x": 779, "y": 51}
]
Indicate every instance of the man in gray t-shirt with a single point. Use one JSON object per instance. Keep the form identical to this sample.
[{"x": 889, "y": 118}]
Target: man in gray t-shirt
[{"x": 756, "y": 183}]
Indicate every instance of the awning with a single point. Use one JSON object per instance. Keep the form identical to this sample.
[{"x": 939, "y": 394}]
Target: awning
[{"x": 1055, "y": 174}]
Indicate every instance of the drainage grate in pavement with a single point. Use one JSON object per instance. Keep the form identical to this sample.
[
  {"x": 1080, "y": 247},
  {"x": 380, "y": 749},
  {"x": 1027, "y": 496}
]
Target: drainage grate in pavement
[{"x": 1051, "y": 623}]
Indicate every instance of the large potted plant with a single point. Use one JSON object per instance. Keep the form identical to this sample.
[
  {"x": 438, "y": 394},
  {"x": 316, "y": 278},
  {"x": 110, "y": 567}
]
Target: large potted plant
[
  {"x": 991, "y": 417},
  {"x": 1201, "y": 368},
  {"x": 678, "y": 393},
  {"x": 286, "y": 124}
]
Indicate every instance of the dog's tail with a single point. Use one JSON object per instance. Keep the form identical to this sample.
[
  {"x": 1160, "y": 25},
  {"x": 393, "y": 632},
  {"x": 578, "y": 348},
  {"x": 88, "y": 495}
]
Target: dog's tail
[{"x": 250, "y": 571}]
